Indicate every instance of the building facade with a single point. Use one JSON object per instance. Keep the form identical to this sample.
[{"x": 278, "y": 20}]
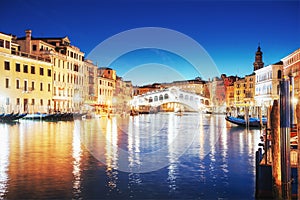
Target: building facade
[
  {"x": 291, "y": 67},
  {"x": 69, "y": 87},
  {"x": 123, "y": 93},
  {"x": 267, "y": 85},
  {"x": 92, "y": 69},
  {"x": 106, "y": 85},
  {"x": 26, "y": 79}
]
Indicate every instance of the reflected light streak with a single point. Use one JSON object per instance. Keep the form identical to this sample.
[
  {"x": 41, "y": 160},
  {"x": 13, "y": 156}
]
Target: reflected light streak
[
  {"x": 201, "y": 138},
  {"x": 111, "y": 147},
  {"x": 172, "y": 144},
  {"x": 133, "y": 151},
  {"x": 4, "y": 160},
  {"x": 212, "y": 139},
  {"x": 224, "y": 152},
  {"x": 241, "y": 141},
  {"x": 77, "y": 153}
]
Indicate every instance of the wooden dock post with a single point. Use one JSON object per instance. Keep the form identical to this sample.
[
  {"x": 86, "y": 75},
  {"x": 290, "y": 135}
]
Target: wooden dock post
[
  {"x": 275, "y": 145},
  {"x": 298, "y": 133}
]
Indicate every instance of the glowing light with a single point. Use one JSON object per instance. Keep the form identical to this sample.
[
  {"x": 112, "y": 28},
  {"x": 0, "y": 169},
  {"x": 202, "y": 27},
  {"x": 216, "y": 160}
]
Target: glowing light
[{"x": 295, "y": 100}]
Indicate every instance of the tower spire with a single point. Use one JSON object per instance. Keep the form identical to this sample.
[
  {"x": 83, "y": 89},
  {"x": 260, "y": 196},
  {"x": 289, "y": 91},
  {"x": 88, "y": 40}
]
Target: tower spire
[{"x": 258, "y": 63}]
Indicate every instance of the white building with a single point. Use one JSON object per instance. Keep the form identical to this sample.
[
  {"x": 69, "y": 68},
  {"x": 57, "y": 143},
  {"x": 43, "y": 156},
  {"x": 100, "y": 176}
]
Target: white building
[{"x": 267, "y": 85}]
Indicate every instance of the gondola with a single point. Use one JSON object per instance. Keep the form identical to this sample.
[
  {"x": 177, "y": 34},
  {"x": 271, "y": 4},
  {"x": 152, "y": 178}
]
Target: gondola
[
  {"x": 11, "y": 117},
  {"x": 253, "y": 122}
]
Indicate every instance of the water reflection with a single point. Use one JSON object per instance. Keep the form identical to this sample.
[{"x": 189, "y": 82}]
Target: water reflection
[
  {"x": 197, "y": 157},
  {"x": 172, "y": 145},
  {"x": 111, "y": 147},
  {"x": 77, "y": 153},
  {"x": 4, "y": 160}
]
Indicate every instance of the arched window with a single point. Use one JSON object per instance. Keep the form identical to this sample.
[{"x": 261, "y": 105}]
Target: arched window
[
  {"x": 155, "y": 98},
  {"x": 191, "y": 98},
  {"x": 166, "y": 96},
  {"x": 161, "y": 97},
  {"x": 186, "y": 97},
  {"x": 150, "y": 99},
  {"x": 181, "y": 96},
  {"x": 206, "y": 102}
]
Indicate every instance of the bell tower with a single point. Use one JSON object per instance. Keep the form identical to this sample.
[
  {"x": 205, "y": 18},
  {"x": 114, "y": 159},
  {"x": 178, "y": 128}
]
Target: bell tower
[{"x": 258, "y": 64}]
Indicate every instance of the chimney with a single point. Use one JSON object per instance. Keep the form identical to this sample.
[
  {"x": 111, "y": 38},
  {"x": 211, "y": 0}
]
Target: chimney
[{"x": 28, "y": 41}]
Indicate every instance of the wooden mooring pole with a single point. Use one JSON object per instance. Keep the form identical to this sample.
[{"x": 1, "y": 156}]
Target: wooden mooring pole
[
  {"x": 275, "y": 145},
  {"x": 285, "y": 125}
]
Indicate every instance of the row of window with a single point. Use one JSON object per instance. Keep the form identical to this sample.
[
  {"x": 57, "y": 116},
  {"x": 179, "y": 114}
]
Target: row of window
[
  {"x": 106, "y": 83},
  {"x": 5, "y": 44},
  {"x": 74, "y": 67},
  {"x": 266, "y": 89},
  {"x": 69, "y": 78},
  {"x": 75, "y": 55},
  {"x": 293, "y": 59},
  {"x": 105, "y": 92},
  {"x": 268, "y": 76},
  {"x": 26, "y": 87},
  {"x": 238, "y": 85},
  {"x": 58, "y": 91},
  {"x": 26, "y": 102},
  {"x": 26, "y": 68}
]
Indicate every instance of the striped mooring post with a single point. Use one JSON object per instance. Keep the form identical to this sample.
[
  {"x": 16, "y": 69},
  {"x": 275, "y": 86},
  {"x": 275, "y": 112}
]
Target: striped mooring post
[{"x": 285, "y": 124}]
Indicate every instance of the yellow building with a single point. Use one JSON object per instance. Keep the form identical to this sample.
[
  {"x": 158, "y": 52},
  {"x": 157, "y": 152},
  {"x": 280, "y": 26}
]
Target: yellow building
[
  {"x": 249, "y": 90},
  {"x": 239, "y": 94},
  {"x": 106, "y": 84},
  {"x": 69, "y": 73},
  {"x": 26, "y": 79},
  {"x": 229, "y": 97}
]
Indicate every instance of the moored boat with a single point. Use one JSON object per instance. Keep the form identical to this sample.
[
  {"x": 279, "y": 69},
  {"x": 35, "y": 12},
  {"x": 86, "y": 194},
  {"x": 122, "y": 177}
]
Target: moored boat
[
  {"x": 11, "y": 117},
  {"x": 253, "y": 122}
]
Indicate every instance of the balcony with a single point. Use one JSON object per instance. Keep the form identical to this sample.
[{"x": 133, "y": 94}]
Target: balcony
[{"x": 27, "y": 55}]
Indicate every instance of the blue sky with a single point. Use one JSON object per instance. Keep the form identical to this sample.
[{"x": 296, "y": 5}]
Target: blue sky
[{"x": 228, "y": 30}]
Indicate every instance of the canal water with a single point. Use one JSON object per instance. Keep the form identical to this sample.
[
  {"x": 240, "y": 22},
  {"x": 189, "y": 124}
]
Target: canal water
[{"x": 155, "y": 156}]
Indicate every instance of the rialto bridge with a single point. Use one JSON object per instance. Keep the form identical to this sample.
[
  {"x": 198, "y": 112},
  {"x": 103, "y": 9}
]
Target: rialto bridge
[{"x": 170, "y": 99}]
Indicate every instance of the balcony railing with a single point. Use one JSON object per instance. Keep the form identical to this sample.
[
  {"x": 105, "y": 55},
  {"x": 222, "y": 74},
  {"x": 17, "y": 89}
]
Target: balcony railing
[{"x": 27, "y": 55}]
